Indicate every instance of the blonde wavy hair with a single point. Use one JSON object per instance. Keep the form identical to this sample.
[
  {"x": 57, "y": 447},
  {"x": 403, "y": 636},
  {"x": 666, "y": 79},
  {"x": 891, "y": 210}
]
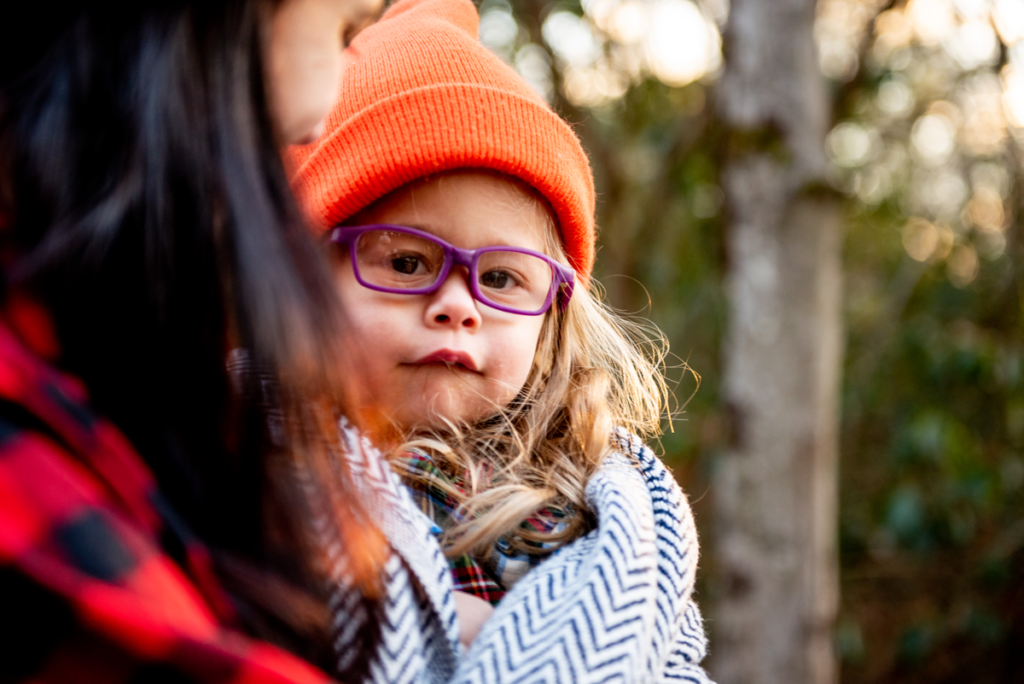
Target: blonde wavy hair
[{"x": 594, "y": 371}]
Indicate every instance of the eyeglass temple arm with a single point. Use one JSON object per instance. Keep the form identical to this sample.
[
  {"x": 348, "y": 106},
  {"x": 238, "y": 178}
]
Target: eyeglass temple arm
[{"x": 565, "y": 287}]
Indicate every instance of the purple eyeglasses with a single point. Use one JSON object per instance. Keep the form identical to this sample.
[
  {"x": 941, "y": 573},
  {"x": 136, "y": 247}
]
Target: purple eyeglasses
[{"x": 404, "y": 260}]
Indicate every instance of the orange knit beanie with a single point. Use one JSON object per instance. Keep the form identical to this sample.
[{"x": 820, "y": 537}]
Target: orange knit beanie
[{"x": 422, "y": 95}]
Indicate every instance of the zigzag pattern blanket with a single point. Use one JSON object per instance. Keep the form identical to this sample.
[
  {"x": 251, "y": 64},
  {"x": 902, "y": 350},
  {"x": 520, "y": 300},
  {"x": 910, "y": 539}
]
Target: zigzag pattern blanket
[
  {"x": 419, "y": 635},
  {"x": 615, "y": 605}
]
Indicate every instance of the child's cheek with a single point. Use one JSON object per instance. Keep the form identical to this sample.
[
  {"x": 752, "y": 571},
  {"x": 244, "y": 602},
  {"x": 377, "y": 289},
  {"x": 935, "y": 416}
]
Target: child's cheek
[{"x": 512, "y": 369}]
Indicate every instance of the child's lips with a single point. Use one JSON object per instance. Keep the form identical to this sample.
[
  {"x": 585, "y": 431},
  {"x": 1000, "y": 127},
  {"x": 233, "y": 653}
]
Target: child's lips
[{"x": 449, "y": 357}]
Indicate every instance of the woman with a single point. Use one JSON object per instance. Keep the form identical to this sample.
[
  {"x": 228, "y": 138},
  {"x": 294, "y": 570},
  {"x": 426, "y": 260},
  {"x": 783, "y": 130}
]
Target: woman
[{"x": 147, "y": 231}]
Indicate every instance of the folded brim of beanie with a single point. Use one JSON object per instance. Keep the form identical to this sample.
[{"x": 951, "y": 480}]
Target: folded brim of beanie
[{"x": 442, "y": 128}]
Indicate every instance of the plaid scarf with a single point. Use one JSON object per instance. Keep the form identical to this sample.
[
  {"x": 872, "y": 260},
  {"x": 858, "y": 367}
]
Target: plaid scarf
[{"x": 487, "y": 576}]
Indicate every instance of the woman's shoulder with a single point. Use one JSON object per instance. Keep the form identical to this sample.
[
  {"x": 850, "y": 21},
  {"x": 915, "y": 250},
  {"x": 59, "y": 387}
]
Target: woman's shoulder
[{"x": 80, "y": 554}]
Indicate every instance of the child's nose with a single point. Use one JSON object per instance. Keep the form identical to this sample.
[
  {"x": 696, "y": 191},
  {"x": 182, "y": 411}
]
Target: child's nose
[{"x": 453, "y": 304}]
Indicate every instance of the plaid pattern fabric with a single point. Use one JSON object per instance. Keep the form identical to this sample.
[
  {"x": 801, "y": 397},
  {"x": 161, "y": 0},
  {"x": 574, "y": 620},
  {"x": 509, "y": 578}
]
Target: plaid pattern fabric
[
  {"x": 470, "y": 577},
  {"x": 490, "y": 577},
  {"x": 98, "y": 582}
]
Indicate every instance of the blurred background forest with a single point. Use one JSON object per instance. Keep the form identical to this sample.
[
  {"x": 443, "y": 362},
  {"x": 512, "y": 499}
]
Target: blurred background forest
[{"x": 924, "y": 152}]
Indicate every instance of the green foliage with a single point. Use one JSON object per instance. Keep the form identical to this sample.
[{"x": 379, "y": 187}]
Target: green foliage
[{"x": 933, "y": 475}]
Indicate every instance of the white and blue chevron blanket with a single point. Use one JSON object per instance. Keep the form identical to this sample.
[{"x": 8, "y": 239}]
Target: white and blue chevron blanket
[
  {"x": 615, "y": 605},
  {"x": 419, "y": 635}
]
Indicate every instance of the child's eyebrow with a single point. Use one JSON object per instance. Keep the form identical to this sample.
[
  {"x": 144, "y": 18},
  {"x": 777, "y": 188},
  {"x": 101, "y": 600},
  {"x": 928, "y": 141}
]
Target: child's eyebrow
[
  {"x": 416, "y": 225},
  {"x": 431, "y": 228}
]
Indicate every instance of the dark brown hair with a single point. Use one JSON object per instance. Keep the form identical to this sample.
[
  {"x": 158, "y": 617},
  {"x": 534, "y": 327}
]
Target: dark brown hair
[{"x": 147, "y": 207}]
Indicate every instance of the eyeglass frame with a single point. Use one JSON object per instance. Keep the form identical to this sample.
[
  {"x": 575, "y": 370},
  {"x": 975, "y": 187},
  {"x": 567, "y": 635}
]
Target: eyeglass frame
[{"x": 563, "y": 278}]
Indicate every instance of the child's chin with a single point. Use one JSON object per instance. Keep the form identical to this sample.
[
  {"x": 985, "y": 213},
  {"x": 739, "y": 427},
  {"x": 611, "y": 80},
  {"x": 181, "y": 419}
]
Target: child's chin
[{"x": 444, "y": 412}]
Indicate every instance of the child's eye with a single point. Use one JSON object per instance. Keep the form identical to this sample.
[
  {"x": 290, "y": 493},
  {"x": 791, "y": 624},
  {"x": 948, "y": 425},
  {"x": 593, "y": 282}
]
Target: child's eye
[
  {"x": 497, "y": 280},
  {"x": 406, "y": 265}
]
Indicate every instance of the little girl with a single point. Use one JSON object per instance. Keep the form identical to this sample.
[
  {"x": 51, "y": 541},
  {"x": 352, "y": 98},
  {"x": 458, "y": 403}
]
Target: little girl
[{"x": 460, "y": 210}]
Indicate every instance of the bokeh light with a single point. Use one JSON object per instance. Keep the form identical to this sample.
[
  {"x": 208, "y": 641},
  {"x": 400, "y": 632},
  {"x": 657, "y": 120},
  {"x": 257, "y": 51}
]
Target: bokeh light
[
  {"x": 895, "y": 96},
  {"x": 533, "y": 64},
  {"x": 934, "y": 137},
  {"x": 681, "y": 44},
  {"x": 628, "y": 23},
  {"x": 612, "y": 45},
  {"x": 985, "y": 212},
  {"x": 849, "y": 144},
  {"x": 498, "y": 28},
  {"x": 962, "y": 265},
  {"x": 894, "y": 31},
  {"x": 1008, "y": 17},
  {"x": 571, "y": 38},
  {"x": 921, "y": 239},
  {"x": 933, "y": 20},
  {"x": 984, "y": 129},
  {"x": 1013, "y": 96},
  {"x": 674, "y": 40},
  {"x": 973, "y": 44}
]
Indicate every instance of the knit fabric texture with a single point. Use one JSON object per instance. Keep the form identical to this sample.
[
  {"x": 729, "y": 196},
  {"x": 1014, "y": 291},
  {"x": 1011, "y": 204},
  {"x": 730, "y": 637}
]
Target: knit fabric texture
[{"x": 421, "y": 95}]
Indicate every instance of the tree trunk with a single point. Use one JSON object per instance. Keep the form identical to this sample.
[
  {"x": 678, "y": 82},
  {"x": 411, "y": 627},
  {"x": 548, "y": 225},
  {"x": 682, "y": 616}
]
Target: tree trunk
[{"x": 776, "y": 488}]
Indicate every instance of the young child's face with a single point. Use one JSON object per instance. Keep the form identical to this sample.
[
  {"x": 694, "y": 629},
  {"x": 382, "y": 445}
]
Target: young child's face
[{"x": 426, "y": 357}]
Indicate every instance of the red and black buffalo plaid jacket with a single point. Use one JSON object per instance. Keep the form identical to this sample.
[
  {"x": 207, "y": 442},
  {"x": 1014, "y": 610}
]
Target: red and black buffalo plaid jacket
[{"x": 97, "y": 581}]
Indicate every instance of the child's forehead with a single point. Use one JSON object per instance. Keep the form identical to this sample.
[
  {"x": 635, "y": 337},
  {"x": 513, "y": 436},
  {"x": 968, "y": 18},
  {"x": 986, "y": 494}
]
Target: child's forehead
[
  {"x": 469, "y": 203},
  {"x": 470, "y": 185}
]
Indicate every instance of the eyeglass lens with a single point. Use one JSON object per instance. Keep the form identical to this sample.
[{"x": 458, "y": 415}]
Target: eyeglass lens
[{"x": 401, "y": 261}]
